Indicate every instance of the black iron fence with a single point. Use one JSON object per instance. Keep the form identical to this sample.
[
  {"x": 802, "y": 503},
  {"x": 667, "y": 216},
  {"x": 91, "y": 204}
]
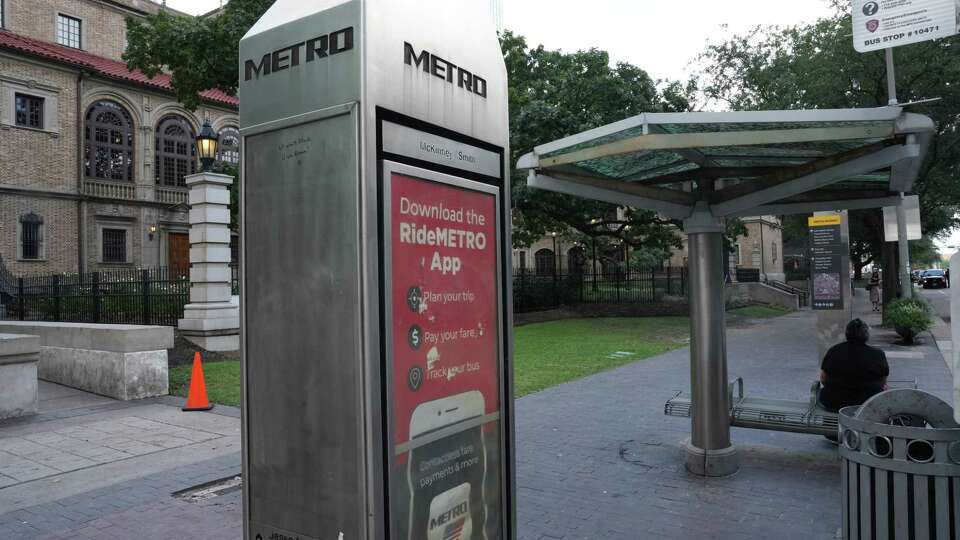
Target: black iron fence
[
  {"x": 130, "y": 296},
  {"x": 535, "y": 292}
]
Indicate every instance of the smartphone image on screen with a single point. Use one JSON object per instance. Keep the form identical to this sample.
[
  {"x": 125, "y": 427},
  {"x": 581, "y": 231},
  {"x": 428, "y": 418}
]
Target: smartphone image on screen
[{"x": 446, "y": 469}]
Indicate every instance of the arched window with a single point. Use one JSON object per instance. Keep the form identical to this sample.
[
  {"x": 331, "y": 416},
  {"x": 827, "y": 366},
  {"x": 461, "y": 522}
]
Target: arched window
[
  {"x": 176, "y": 151},
  {"x": 108, "y": 146},
  {"x": 575, "y": 260},
  {"x": 31, "y": 237},
  {"x": 544, "y": 261},
  {"x": 228, "y": 149}
]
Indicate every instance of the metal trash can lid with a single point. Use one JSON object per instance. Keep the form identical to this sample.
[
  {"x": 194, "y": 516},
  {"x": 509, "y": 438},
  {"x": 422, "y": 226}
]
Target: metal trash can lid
[{"x": 908, "y": 402}]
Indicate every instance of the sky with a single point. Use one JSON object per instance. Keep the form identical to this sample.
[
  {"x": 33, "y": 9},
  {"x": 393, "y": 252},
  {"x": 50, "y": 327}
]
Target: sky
[{"x": 660, "y": 36}]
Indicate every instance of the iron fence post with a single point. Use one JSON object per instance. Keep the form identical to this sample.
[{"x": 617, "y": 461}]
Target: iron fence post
[
  {"x": 95, "y": 278},
  {"x": 653, "y": 283},
  {"x": 20, "y": 298},
  {"x": 669, "y": 280},
  {"x": 56, "y": 297},
  {"x": 145, "y": 289},
  {"x": 616, "y": 275},
  {"x": 683, "y": 273}
]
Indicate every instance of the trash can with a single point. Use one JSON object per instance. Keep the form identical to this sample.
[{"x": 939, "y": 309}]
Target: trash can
[{"x": 900, "y": 468}]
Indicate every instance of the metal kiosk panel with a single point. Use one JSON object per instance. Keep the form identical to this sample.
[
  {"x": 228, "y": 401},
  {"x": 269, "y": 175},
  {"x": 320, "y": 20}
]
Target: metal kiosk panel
[
  {"x": 337, "y": 98},
  {"x": 305, "y": 162}
]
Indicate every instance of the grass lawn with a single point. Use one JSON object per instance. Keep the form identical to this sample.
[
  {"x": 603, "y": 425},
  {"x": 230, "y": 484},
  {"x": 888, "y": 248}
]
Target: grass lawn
[
  {"x": 551, "y": 353},
  {"x": 222, "y": 379},
  {"x": 547, "y": 354},
  {"x": 760, "y": 311}
]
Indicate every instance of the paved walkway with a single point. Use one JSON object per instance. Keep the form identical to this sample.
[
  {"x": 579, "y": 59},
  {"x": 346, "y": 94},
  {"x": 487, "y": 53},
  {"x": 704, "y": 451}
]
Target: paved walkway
[
  {"x": 596, "y": 457},
  {"x": 91, "y": 467}
]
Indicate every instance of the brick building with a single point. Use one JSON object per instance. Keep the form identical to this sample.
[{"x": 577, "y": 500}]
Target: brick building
[
  {"x": 761, "y": 248},
  {"x": 93, "y": 155}
]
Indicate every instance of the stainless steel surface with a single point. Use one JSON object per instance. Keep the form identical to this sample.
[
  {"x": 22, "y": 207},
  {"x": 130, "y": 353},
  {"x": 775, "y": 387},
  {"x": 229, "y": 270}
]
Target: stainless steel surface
[
  {"x": 391, "y": 84},
  {"x": 294, "y": 352},
  {"x": 708, "y": 348},
  {"x": 918, "y": 502},
  {"x": 439, "y": 150},
  {"x": 305, "y": 470}
]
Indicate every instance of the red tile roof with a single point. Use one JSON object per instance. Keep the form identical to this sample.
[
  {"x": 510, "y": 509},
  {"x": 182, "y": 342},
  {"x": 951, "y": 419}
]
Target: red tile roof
[{"x": 114, "y": 69}]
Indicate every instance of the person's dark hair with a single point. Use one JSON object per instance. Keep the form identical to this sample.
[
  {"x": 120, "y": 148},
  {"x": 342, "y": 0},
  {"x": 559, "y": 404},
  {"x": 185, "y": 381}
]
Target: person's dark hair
[{"x": 858, "y": 330}]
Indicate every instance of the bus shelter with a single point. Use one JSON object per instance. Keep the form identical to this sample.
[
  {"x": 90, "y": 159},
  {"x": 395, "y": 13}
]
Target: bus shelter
[{"x": 702, "y": 168}]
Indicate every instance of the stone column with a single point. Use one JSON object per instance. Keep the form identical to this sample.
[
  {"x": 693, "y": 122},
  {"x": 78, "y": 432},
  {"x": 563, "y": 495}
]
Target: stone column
[{"x": 210, "y": 320}]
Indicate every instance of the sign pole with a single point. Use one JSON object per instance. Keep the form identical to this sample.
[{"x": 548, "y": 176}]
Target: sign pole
[
  {"x": 891, "y": 77},
  {"x": 903, "y": 244},
  {"x": 955, "y": 334}
]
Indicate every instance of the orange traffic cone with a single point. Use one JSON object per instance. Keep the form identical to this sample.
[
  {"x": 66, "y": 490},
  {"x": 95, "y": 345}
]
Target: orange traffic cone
[{"x": 197, "y": 397}]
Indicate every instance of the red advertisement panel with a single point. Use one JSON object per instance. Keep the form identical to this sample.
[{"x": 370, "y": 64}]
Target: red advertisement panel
[{"x": 445, "y": 388}]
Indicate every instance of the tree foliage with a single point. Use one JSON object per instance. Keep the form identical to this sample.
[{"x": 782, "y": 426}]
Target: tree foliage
[
  {"x": 200, "y": 53},
  {"x": 815, "y": 66},
  {"x": 554, "y": 94}
]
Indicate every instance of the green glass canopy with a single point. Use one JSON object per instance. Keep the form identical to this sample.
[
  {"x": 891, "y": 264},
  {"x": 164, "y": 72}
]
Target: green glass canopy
[{"x": 740, "y": 163}]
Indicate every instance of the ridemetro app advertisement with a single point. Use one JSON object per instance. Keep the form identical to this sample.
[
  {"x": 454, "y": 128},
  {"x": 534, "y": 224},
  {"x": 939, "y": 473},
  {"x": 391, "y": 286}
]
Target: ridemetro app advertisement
[{"x": 445, "y": 390}]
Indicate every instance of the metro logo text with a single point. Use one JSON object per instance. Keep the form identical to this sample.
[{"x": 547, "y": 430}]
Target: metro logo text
[
  {"x": 444, "y": 69},
  {"x": 289, "y": 57}
]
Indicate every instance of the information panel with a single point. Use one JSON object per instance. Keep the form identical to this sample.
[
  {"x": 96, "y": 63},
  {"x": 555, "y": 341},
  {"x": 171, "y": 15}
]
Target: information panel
[
  {"x": 881, "y": 24},
  {"x": 444, "y": 356},
  {"x": 826, "y": 252}
]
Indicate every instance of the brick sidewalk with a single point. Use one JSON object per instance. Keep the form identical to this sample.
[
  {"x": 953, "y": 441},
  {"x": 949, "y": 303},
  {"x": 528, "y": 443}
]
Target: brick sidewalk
[{"x": 596, "y": 459}]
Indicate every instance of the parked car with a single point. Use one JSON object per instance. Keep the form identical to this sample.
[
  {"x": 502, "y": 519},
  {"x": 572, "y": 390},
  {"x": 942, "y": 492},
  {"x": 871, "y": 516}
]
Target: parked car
[{"x": 933, "y": 278}]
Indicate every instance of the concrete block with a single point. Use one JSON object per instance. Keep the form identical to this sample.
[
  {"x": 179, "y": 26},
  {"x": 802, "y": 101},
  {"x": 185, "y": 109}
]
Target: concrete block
[
  {"x": 120, "y": 375},
  {"x": 18, "y": 344},
  {"x": 210, "y": 194},
  {"x": 210, "y": 292},
  {"x": 219, "y": 343},
  {"x": 210, "y": 253},
  {"x": 19, "y": 355},
  {"x": 209, "y": 325},
  {"x": 210, "y": 273},
  {"x": 211, "y": 311},
  {"x": 208, "y": 233},
  {"x": 18, "y": 389},
  {"x": 203, "y": 178},
  {"x": 210, "y": 214},
  {"x": 100, "y": 337}
]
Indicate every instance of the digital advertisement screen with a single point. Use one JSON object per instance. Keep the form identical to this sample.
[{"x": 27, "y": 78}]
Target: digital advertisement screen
[{"x": 444, "y": 349}]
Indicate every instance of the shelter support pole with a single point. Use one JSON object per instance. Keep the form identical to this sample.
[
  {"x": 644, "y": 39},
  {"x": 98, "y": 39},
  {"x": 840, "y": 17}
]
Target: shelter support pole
[
  {"x": 903, "y": 243},
  {"x": 708, "y": 452},
  {"x": 955, "y": 333}
]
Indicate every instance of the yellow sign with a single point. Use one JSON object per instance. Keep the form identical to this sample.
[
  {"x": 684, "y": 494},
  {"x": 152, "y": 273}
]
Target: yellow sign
[{"x": 823, "y": 221}]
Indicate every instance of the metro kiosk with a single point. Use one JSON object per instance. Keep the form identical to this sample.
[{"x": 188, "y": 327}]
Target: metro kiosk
[{"x": 377, "y": 388}]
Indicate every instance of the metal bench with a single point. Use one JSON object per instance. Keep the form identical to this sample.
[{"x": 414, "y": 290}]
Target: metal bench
[{"x": 771, "y": 414}]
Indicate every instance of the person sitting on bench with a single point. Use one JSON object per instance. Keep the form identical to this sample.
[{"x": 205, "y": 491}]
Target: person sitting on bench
[{"x": 852, "y": 372}]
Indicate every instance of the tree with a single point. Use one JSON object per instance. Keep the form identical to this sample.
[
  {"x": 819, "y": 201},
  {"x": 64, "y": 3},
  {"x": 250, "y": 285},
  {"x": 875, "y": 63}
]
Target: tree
[
  {"x": 815, "y": 66},
  {"x": 554, "y": 94},
  {"x": 200, "y": 53},
  {"x": 923, "y": 254}
]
